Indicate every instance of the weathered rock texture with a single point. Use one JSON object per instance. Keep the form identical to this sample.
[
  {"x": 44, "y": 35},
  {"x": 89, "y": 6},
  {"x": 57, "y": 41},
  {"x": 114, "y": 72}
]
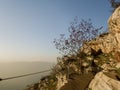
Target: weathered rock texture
[
  {"x": 114, "y": 26},
  {"x": 114, "y": 22},
  {"x": 103, "y": 82},
  {"x": 62, "y": 80},
  {"x": 108, "y": 42}
]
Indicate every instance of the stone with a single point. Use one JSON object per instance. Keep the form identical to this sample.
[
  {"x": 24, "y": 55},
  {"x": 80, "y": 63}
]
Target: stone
[
  {"x": 62, "y": 80},
  {"x": 114, "y": 22},
  {"x": 109, "y": 42},
  {"x": 118, "y": 65},
  {"x": 103, "y": 82}
]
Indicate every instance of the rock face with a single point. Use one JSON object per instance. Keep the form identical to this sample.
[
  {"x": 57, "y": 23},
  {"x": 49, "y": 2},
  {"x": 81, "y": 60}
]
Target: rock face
[
  {"x": 114, "y": 21},
  {"x": 108, "y": 42},
  {"x": 62, "y": 80},
  {"x": 114, "y": 25},
  {"x": 103, "y": 82}
]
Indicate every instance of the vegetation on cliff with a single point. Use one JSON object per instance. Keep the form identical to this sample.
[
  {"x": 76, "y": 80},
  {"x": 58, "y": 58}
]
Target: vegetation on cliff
[{"x": 85, "y": 52}]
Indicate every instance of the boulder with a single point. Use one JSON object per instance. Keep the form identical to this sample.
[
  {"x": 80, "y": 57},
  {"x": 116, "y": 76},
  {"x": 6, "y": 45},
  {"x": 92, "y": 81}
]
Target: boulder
[{"x": 103, "y": 82}]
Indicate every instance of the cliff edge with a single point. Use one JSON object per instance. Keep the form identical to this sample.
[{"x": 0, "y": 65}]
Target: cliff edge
[{"x": 96, "y": 67}]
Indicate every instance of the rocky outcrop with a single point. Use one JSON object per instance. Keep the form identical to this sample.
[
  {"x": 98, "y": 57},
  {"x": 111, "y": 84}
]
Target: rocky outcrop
[
  {"x": 107, "y": 42},
  {"x": 62, "y": 80},
  {"x": 114, "y": 22},
  {"x": 114, "y": 26},
  {"x": 103, "y": 82}
]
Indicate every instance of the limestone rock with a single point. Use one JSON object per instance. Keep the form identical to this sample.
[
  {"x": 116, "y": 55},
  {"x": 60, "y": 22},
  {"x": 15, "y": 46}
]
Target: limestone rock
[
  {"x": 118, "y": 65},
  {"x": 106, "y": 43},
  {"x": 103, "y": 82},
  {"x": 114, "y": 25},
  {"x": 110, "y": 41},
  {"x": 62, "y": 80},
  {"x": 114, "y": 22}
]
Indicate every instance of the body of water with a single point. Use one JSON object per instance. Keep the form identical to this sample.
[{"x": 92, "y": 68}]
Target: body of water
[{"x": 20, "y": 68}]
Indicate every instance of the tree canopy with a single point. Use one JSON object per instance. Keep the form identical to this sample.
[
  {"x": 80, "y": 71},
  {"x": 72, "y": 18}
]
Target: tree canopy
[{"x": 79, "y": 32}]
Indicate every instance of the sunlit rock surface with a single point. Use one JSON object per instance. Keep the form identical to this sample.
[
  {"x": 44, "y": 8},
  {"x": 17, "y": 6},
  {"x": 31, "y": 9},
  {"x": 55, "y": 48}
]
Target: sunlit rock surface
[
  {"x": 108, "y": 42},
  {"x": 114, "y": 22},
  {"x": 62, "y": 80},
  {"x": 103, "y": 82}
]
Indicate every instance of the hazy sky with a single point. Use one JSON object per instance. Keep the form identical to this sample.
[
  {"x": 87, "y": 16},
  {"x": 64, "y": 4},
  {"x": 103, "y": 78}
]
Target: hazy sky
[{"x": 28, "y": 27}]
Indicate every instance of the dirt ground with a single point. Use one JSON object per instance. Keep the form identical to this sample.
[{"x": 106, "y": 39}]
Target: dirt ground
[
  {"x": 81, "y": 82},
  {"x": 78, "y": 82}
]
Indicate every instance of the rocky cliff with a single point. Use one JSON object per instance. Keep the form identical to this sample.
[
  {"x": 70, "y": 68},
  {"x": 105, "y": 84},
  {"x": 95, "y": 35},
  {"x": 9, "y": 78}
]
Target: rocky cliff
[
  {"x": 107, "y": 42},
  {"x": 99, "y": 57},
  {"x": 103, "y": 82},
  {"x": 110, "y": 43}
]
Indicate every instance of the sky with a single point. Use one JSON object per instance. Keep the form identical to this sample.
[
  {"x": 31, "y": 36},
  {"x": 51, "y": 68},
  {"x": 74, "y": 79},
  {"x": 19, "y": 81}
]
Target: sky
[{"x": 28, "y": 27}]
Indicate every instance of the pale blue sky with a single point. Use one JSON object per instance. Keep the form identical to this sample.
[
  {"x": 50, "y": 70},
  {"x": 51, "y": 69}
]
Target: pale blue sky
[{"x": 28, "y": 27}]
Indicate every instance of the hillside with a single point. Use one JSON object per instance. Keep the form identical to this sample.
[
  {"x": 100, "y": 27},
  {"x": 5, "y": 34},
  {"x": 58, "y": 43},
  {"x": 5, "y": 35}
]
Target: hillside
[{"x": 95, "y": 67}]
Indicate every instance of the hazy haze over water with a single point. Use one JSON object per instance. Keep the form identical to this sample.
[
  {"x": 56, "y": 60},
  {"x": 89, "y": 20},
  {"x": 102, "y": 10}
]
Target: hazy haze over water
[{"x": 19, "y": 68}]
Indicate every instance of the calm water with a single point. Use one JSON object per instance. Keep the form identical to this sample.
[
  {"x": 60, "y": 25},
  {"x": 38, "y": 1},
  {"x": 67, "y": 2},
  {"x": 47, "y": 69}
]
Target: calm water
[{"x": 14, "y": 69}]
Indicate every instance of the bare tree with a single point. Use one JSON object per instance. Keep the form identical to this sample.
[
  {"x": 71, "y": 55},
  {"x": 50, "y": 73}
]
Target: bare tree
[{"x": 79, "y": 32}]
